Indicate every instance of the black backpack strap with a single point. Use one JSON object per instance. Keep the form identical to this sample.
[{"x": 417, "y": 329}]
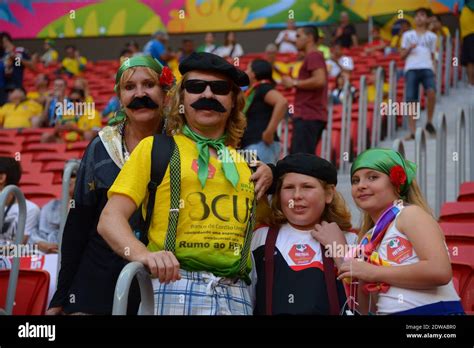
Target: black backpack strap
[{"x": 163, "y": 146}]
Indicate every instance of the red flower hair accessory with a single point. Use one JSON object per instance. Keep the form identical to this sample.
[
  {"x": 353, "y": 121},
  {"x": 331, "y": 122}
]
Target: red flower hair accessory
[
  {"x": 166, "y": 77},
  {"x": 398, "y": 176}
]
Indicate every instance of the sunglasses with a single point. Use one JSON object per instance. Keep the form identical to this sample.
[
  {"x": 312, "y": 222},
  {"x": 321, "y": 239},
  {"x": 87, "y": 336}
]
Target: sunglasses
[{"x": 219, "y": 87}]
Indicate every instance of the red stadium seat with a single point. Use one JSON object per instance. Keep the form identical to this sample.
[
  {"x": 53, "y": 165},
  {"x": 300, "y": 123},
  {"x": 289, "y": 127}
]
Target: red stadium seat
[
  {"x": 30, "y": 167},
  {"x": 458, "y": 229},
  {"x": 466, "y": 192},
  {"x": 31, "y": 294},
  {"x": 34, "y": 147},
  {"x": 52, "y": 156},
  {"x": 37, "y": 179},
  {"x": 457, "y": 211}
]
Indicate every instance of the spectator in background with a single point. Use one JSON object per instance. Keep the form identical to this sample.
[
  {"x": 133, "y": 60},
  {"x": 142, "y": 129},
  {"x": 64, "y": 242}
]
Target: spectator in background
[
  {"x": 58, "y": 95},
  {"x": 41, "y": 92},
  {"x": 337, "y": 94},
  {"x": 78, "y": 121},
  {"x": 264, "y": 108},
  {"x": 371, "y": 82},
  {"x": 10, "y": 174},
  {"x": 442, "y": 32},
  {"x": 113, "y": 105},
  {"x": 81, "y": 83},
  {"x": 209, "y": 46},
  {"x": 311, "y": 97},
  {"x": 124, "y": 54},
  {"x": 15, "y": 60},
  {"x": 50, "y": 55},
  {"x": 279, "y": 68},
  {"x": 134, "y": 48},
  {"x": 46, "y": 236},
  {"x": 286, "y": 39},
  {"x": 345, "y": 33},
  {"x": 157, "y": 47},
  {"x": 321, "y": 47},
  {"x": 186, "y": 50},
  {"x": 339, "y": 62},
  {"x": 466, "y": 23},
  {"x": 231, "y": 48},
  {"x": 378, "y": 44},
  {"x": 399, "y": 28},
  {"x": 418, "y": 48},
  {"x": 73, "y": 64},
  {"x": 19, "y": 111}
]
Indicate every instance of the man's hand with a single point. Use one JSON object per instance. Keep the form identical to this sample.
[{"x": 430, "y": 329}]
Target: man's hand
[
  {"x": 267, "y": 137},
  {"x": 162, "y": 265},
  {"x": 287, "y": 81},
  {"x": 262, "y": 179}
]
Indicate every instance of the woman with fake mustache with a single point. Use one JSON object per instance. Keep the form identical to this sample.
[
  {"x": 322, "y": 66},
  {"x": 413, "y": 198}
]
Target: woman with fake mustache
[{"x": 89, "y": 268}]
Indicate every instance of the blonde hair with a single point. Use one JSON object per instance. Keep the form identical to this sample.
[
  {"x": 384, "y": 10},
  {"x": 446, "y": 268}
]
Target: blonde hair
[
  {"x": 236, "y": 123},
  {"x": 336, "y": 211},
  {"x": 414, "y": 196}
]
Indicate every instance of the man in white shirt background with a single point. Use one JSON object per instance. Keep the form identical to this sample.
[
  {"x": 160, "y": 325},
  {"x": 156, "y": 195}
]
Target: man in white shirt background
[
  {"x": 286, "y": 39},
  {"x": 339, "y": 62},
  {"x": 418, "y": 48}
]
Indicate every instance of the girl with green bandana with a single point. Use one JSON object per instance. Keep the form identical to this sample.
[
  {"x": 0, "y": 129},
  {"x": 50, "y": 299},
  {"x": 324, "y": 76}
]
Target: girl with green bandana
[
  {"x": 89, "y": 268},
  {"x": 403, "y": 264}
]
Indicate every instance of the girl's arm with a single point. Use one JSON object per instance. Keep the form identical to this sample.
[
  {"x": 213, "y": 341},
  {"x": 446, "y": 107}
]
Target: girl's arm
[{"x": 434, "y": 267}]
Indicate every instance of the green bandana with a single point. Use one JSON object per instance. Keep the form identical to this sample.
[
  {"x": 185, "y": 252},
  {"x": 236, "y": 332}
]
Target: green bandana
[
  {"x": 203, "y": 143},
  {"x": 383, "y": 160},
  {"x": 146, "y": 61}
]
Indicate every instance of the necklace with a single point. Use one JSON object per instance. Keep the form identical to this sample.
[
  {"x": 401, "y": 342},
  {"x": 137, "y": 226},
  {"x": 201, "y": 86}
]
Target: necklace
[{"x": 125, "y": 152}]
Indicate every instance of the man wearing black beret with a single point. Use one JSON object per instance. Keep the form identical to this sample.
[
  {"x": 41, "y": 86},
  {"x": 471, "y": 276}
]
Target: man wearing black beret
[{"x": 202, "y": 222}]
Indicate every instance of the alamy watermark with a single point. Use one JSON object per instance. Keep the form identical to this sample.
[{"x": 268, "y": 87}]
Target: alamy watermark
[
  {"x": 68, "y": 108},
  {"x": 19, "y": 250},
  {"x": 392, "y": 108}
]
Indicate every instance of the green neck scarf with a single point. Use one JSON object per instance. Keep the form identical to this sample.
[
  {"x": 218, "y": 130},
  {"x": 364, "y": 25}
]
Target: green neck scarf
[
  {"x": 146, "y": 61},
  {"x": 203, "y": 143},
  {"x": 383, "y": 160}
]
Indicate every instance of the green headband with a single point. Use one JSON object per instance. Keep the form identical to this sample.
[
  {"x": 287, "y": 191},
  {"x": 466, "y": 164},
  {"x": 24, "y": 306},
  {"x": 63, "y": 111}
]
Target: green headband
[
  {"x": 385, "y": 161},
  {"x": 132, "y": 62}
]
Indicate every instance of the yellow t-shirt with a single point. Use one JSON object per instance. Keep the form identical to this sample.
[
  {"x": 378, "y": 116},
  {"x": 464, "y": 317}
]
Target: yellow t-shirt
[
  {"x": 466, "y": 22},
  {"x": 371, "y": 92},
  {"x": 279, "y": 69},
  {"x": 85, "y": 122},
  {"x": 212, "y": 220},
  {"x": 19, "y": 116},
  {"x": 396, "y": 41},
  {"x": 72, "y": 65}
]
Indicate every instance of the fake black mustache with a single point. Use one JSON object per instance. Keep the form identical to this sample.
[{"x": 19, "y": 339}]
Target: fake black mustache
[
  {"x": 142, "y": 102},
  {"x": 208, "y": 104}
]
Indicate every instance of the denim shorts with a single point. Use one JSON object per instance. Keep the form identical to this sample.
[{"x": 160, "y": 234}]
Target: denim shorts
[
  {"x": 266, "y": 153},
  {"x": 413, "y": 78}
]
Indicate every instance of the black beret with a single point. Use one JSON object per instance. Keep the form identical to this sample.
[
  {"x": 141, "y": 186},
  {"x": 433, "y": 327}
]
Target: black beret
[
  {"x": 211, "y": 62},
  {"x": 307, "y": 164}
]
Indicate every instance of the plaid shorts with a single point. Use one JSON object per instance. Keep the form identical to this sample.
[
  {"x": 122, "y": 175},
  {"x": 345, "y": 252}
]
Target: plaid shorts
[{"x": 202, "y": 293}]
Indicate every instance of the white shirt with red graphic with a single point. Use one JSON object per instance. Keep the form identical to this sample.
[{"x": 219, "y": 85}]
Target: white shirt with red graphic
[{"x": 397, "y": 250}]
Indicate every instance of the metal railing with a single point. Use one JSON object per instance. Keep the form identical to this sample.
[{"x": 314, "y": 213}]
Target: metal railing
[
  {"x": 376, "y": 121},
  {"x": 460, "y": 164},
  {"x": 399, "y": 146},
  {"x": 420, "y": 159},
  {"x": 362, "y": 119},
  {"x": 284, "y": 129},
  {"x": 392, "y": 97},
  {"x": 345, "y": 127},
  {"x": 439, "y": 69},
  {"x": 441, "y": 163},
  {"x": 69, "y": 168},
  {"x": 329, "y": 129},
  {"x": 324, "y": 144},
  {"x": 447, "y": 65},
  {"x": 15, "y": 269},
  {"x": 456, "y": 55},
  {"x": 122, "y": 289}
]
